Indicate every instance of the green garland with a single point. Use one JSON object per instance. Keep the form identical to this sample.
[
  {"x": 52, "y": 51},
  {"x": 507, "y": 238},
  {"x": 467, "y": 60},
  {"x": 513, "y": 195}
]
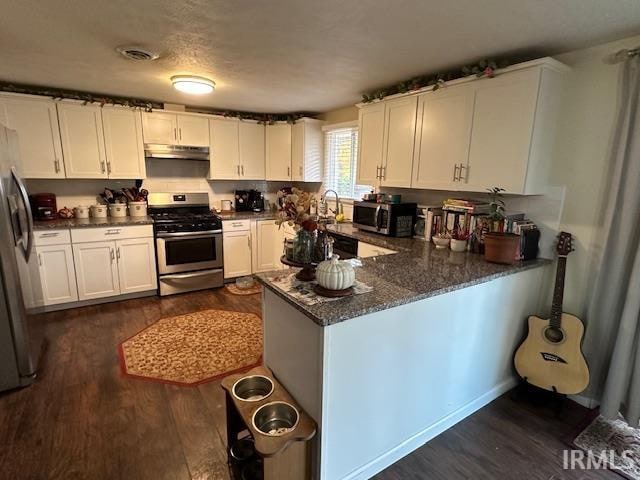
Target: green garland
[
  {"x": 484, "y": 68},
  {"x": 146, "y": 105}
]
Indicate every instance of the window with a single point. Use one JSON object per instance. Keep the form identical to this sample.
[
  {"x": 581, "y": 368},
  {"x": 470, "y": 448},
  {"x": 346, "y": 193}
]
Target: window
[{"x": 341, "y": 159}]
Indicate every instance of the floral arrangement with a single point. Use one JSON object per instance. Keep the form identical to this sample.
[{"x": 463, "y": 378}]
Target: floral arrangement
[
  {"x": 295, "y": 209},
  {"x": 460, "y": 234}
]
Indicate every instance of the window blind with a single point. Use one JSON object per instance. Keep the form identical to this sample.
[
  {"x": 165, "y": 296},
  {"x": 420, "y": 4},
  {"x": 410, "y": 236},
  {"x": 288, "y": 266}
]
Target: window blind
[{"x": 341, "y": 158}]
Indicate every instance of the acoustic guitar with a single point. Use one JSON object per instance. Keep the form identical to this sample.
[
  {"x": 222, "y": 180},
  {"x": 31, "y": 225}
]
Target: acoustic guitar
[{"x": 551, "y": 356}]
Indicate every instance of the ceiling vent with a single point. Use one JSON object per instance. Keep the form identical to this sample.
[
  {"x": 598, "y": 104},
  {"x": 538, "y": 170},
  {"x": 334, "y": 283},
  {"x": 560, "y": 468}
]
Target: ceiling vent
[{"x": 137, "y": 53}]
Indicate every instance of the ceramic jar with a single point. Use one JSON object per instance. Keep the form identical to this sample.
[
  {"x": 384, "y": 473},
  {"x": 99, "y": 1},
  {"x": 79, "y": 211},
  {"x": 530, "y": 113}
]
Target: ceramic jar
[
  {"x": 99, "y": 211},
  {"x": 81, "y": 211},
  {"x": 118, "y": 210},
  {"x": 458, "y": 245},
  {"x": 138, "y": 209},
  {"x": 335, "y": 274}
]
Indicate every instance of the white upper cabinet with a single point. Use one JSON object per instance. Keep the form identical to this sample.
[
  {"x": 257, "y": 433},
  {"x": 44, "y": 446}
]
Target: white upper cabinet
[
  {"x": 224, "y": 155},
  {"x": 252, "y": 150},
  {"x": 123, "y": 142},
  {"x": 370, "y": 134},
  {"x": 513, "y": 127},
  {"x": 306, "y": 150},
  {"x": 82, "y": 140},
  {"x": 193, "y": 130},
  {"x": 399, "y": 136},
  {"x": 175, "y": 129},
  {"x": 36, "y": 121},
  {"x": 278, "y": 155},
  {"x": 443, "y": 134},
  {"x": 159, "y": 127}
]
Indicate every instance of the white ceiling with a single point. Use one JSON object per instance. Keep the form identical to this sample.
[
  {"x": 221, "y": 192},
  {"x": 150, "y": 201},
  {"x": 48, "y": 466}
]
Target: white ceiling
[{"x": 285, "y": 55}]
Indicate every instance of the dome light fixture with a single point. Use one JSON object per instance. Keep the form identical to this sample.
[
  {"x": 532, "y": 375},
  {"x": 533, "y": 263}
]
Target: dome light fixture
[{"x": 192, "y": 84}]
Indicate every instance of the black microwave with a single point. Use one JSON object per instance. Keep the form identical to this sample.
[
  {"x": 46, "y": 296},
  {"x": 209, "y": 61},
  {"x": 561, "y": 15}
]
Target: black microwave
[{"x": 392, "y": 219}]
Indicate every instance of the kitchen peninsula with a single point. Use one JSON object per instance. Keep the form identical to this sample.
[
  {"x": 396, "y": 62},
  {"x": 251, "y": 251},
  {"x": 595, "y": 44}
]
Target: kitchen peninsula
[{"x": 384, "y": 372}]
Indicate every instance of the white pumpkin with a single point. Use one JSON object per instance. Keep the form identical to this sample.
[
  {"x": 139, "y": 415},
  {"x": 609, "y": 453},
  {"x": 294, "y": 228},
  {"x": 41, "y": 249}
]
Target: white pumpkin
[{"x": 335, "y": 274}]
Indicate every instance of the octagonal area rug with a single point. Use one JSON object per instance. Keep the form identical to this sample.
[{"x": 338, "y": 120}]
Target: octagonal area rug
[{"x": 194, "y": 348}]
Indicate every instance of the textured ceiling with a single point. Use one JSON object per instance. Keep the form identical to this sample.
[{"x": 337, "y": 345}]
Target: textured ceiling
[{"x": 285, "y": 55}]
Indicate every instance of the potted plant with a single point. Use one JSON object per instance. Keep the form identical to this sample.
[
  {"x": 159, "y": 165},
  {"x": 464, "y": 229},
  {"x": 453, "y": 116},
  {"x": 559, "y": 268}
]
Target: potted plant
[
  {"x": 459, "y": 240},
  {"x": 499, "y": 246}
]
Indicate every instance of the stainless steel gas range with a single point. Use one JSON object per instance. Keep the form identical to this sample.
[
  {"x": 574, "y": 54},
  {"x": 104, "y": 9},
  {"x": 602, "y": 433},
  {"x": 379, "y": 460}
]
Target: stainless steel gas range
[{"x": 188, "y": 242}]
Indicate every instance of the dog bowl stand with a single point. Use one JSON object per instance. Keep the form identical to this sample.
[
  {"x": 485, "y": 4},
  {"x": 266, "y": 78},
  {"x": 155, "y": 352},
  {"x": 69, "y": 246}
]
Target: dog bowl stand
[{"x": 286, "y": 456}]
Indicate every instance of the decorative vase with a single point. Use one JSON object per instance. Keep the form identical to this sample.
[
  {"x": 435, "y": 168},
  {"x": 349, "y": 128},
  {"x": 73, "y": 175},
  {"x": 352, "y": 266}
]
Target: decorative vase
[
  {"x": 501, "y": 247},
  {"x": 303, "y": 246},
  {"x": 458, "y": 245},
  {"x": 335, "y": 274}
]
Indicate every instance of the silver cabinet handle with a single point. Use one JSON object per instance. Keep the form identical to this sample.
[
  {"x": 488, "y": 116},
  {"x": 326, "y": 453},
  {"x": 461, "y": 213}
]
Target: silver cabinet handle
[
  {"x": 113, "y": 255},
  {"x": 288, "y": 171},
  {"x": 300, "y": 170},
  {"x": 114, "y": 231},
  {"x": 109, "y": 168},
  {"x": 383, "y": 173},
  {"x": 56, "y": 165},
  {"x": 242, "y": 168},
  {"x": 39, "y": 259},
  {"x": 102, "y": 167},
  {"x": 118, "y": 253},
  {"x": 455, "y": 172},
  {"x": 249, "y": 241},
  {"x": 238, "y": 169},
  {"x": 175, "y": 133},
  {"x": 180, "y": 133},
  {"x": 466, "y": 169},
  {"x": 378, "y": 172},
  {"x": 49, "y": 235}
]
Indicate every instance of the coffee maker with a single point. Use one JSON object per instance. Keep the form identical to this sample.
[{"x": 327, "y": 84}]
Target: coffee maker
[{"x": 249, "y": 201}]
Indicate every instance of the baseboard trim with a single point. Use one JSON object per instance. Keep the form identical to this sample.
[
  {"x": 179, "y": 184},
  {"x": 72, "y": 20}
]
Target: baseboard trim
[
  {"x": 432, "y": 431},
  {"x": 96, "y": 301},
  {"x": 587, "y": 402}
]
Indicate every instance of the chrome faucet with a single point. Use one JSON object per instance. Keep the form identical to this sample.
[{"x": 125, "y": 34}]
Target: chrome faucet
[{"x": 324, "y": 207}]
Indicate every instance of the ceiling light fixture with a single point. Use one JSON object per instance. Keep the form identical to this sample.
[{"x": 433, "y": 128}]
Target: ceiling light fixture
[{"x": 192, "y": 84}]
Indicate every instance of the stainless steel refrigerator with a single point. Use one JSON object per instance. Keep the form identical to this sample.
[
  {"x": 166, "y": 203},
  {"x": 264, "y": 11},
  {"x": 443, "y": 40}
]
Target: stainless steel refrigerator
[{"x": 20, "y": 334}]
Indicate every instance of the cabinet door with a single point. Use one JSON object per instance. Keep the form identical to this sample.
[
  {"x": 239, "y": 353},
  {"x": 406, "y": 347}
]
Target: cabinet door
[
  {"x": 82, "y": 140},
  {"x": 193, "y": 130},
  {"x": 123, "y": 143},
  {"x": 224, "y": 155},
  {"x": 236, "y": 247},
  {"x": 503, "y": 121},
  {"x": 159, "y": 127},
  {"x": 269, "y": 245},
  {"x": 443, "y": 134},
  {"x": 399, "y": 139},
  {"x": 252, "y": 151},
  {"x": 57, "y": 274},
  {"x": 96, "y": 270},
  {"x": 297, "y": 152},
  {"x": 136, "y": 265},
  {"x": 370, "y": 140},
  {"x": 279, "y": 151},
  {"x": 36, "y": 122}
]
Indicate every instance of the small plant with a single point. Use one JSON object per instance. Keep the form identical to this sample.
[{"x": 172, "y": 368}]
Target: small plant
[{"x": 497, "y": 204}]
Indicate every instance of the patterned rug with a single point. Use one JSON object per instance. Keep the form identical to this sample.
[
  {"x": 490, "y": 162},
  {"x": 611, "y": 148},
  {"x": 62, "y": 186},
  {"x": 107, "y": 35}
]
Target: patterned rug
[
  {"x": 616, "y": 442},
  {"x": 233, "y": 289},
  {"x": 194, "y": 348}
]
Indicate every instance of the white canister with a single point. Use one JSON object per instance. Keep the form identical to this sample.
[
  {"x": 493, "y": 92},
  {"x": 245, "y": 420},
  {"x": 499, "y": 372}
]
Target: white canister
[
  {"x": 138, "y": 209},
  {"x": 118, "y": 209},
  {"x": 99, "y": 211},
  {"x": 81, "y": 211},
  {"x": 226, "y": 205}
]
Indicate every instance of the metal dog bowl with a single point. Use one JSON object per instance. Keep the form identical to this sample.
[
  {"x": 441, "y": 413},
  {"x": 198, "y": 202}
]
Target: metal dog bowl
[
  {"x": 252, "y": 388},
  {"x": 242, "y": 449},
  {"x": 275, "y": 419}
]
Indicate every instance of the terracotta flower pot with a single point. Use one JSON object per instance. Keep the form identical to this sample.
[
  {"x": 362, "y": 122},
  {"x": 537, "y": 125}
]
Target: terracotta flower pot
[{"x": 501, "y": 247}]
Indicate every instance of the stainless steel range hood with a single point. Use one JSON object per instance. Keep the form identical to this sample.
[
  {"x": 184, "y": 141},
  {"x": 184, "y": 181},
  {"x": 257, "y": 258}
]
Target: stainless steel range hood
[{"x": 176, "y": 152}]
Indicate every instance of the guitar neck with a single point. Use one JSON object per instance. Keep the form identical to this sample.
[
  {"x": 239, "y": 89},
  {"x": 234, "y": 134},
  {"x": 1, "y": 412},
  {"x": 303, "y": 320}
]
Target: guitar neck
[{"x": 558, "y": 292}]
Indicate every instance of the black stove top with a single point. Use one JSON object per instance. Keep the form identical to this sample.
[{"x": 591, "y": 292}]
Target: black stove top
[{"x": 169, "y": 222}]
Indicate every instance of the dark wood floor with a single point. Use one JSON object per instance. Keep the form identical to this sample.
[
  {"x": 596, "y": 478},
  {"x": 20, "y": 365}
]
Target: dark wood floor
[{"x": 82, "y": 419}]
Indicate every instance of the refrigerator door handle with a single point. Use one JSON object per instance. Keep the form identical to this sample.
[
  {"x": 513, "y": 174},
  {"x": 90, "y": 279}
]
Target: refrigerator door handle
[{"x": 27, "y": 207}]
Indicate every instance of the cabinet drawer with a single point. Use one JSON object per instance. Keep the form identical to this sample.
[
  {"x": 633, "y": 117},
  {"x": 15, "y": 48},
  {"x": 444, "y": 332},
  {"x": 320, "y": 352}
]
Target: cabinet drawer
[
  {"x": 235, "y": 225},
  {"x": 111, "y": 233},
  {"x": 51, "y": 237}
]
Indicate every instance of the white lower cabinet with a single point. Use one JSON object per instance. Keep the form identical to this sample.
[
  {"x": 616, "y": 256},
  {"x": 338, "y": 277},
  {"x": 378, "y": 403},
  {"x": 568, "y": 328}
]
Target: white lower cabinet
[
  {"x": 96, "y": 270},
  {"x": 269, "y": 239},
  {"x": 57, "y": 274},
  {"x": 236, "y": 246},
  {"x": 136, "y": 265}
]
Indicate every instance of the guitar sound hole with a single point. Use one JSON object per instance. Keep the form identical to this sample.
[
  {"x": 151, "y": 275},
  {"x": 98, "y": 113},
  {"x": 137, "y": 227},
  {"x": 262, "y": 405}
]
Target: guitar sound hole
[{"x": 554, "y": 334}]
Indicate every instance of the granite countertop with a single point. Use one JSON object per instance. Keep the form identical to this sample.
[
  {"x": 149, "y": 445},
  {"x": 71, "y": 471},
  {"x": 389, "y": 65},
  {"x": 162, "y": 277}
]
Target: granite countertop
[
  {"x": 247, "y": 215},
  {"x": 91, "y": 222},
  {"x": 416, "y": 272}
]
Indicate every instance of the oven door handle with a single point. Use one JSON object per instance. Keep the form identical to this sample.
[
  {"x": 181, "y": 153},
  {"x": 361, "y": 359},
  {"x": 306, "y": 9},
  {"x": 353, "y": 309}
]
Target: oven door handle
[
  {"x": 206, "y": 233},
  {"x": 180, "y": 276}
]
